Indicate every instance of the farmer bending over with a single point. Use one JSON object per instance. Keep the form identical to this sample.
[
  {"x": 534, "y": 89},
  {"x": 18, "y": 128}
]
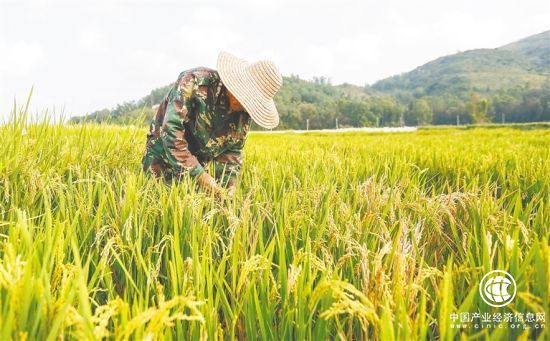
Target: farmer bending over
[{"x": 205, "y": 119}]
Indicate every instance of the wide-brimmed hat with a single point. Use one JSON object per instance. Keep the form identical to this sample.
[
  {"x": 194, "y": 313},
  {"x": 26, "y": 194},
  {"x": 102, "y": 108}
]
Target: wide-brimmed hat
[{"x": 254, "y": 85}]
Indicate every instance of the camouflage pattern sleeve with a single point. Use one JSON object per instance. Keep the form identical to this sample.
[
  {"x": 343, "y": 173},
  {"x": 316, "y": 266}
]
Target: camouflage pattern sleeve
[
  {"x": 180, "y": 103},
  {"x": 228, "y": 166}
]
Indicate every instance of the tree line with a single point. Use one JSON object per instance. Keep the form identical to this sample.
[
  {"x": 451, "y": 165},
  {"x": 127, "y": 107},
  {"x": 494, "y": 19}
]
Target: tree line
[
  {"x": 321, "y": 104},
  {"x": 318, "y": 104}
]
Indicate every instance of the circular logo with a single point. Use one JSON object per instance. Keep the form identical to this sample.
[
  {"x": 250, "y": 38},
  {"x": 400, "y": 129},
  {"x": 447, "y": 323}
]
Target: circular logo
[{"x": 497, "y": 288}]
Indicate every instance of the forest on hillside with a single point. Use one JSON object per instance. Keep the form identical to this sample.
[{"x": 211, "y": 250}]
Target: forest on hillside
[{"x": 323, "y": 104}]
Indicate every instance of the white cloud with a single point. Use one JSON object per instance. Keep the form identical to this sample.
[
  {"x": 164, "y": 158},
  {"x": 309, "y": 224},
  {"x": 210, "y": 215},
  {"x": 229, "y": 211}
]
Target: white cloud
[
  {"x": 87, "y": 55},
  {"x": 203, "y": 32},
  {"x": 19, "y": 59},
  {"x": 91, "y": 39}
]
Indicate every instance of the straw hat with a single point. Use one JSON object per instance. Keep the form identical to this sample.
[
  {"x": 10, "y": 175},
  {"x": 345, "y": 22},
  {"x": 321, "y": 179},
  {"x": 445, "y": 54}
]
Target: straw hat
[{"x": 254, "y": 85}]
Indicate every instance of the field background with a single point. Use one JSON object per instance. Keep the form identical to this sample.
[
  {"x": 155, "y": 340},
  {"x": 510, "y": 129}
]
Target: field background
[
  {"x": 507, "y": 84},
  {"x": 350, "y": 235}
]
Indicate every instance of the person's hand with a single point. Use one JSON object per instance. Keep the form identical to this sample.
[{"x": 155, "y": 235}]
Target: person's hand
[
  {"x": 231, "y": 190},
  {"x": 225, "y": 194},
  {"x": 208, "y": 183}
]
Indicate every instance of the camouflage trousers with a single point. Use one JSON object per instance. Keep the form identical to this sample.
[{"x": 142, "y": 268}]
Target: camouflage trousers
[{"x": 155, "y": 163}]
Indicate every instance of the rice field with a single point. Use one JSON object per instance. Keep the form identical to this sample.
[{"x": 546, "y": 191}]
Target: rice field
[{"x": 330, "y": 236}]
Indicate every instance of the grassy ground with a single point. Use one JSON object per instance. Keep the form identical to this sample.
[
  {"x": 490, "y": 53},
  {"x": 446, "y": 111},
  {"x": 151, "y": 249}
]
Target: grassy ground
[{"x": 330, "y": 235}]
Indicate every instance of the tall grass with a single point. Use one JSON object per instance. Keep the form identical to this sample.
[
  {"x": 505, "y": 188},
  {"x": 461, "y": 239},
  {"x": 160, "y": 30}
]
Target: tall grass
[{"x": 353, "y": 236}]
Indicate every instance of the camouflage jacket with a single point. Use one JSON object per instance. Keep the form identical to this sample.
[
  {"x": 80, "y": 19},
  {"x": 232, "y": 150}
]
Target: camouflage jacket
[{"x": 194, "y": 128}]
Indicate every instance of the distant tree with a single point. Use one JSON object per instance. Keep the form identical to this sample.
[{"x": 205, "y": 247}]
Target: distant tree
[
  {"x": 478, "y": 107},
  {"x": 503, "y": 104},
  {"x": 419, "y": 113},
  {"x": 356, "y": 113}
]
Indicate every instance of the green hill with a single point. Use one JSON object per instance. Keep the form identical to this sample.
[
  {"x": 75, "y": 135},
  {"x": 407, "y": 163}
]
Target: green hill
[
  {"x": 483, "y": 70},
  {"x": 509, "y": 83},
  {"x": 535, "y": 48}
]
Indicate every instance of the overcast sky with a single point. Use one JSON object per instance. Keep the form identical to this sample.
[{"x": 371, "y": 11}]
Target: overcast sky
[{"x": 86, "y": 55}]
